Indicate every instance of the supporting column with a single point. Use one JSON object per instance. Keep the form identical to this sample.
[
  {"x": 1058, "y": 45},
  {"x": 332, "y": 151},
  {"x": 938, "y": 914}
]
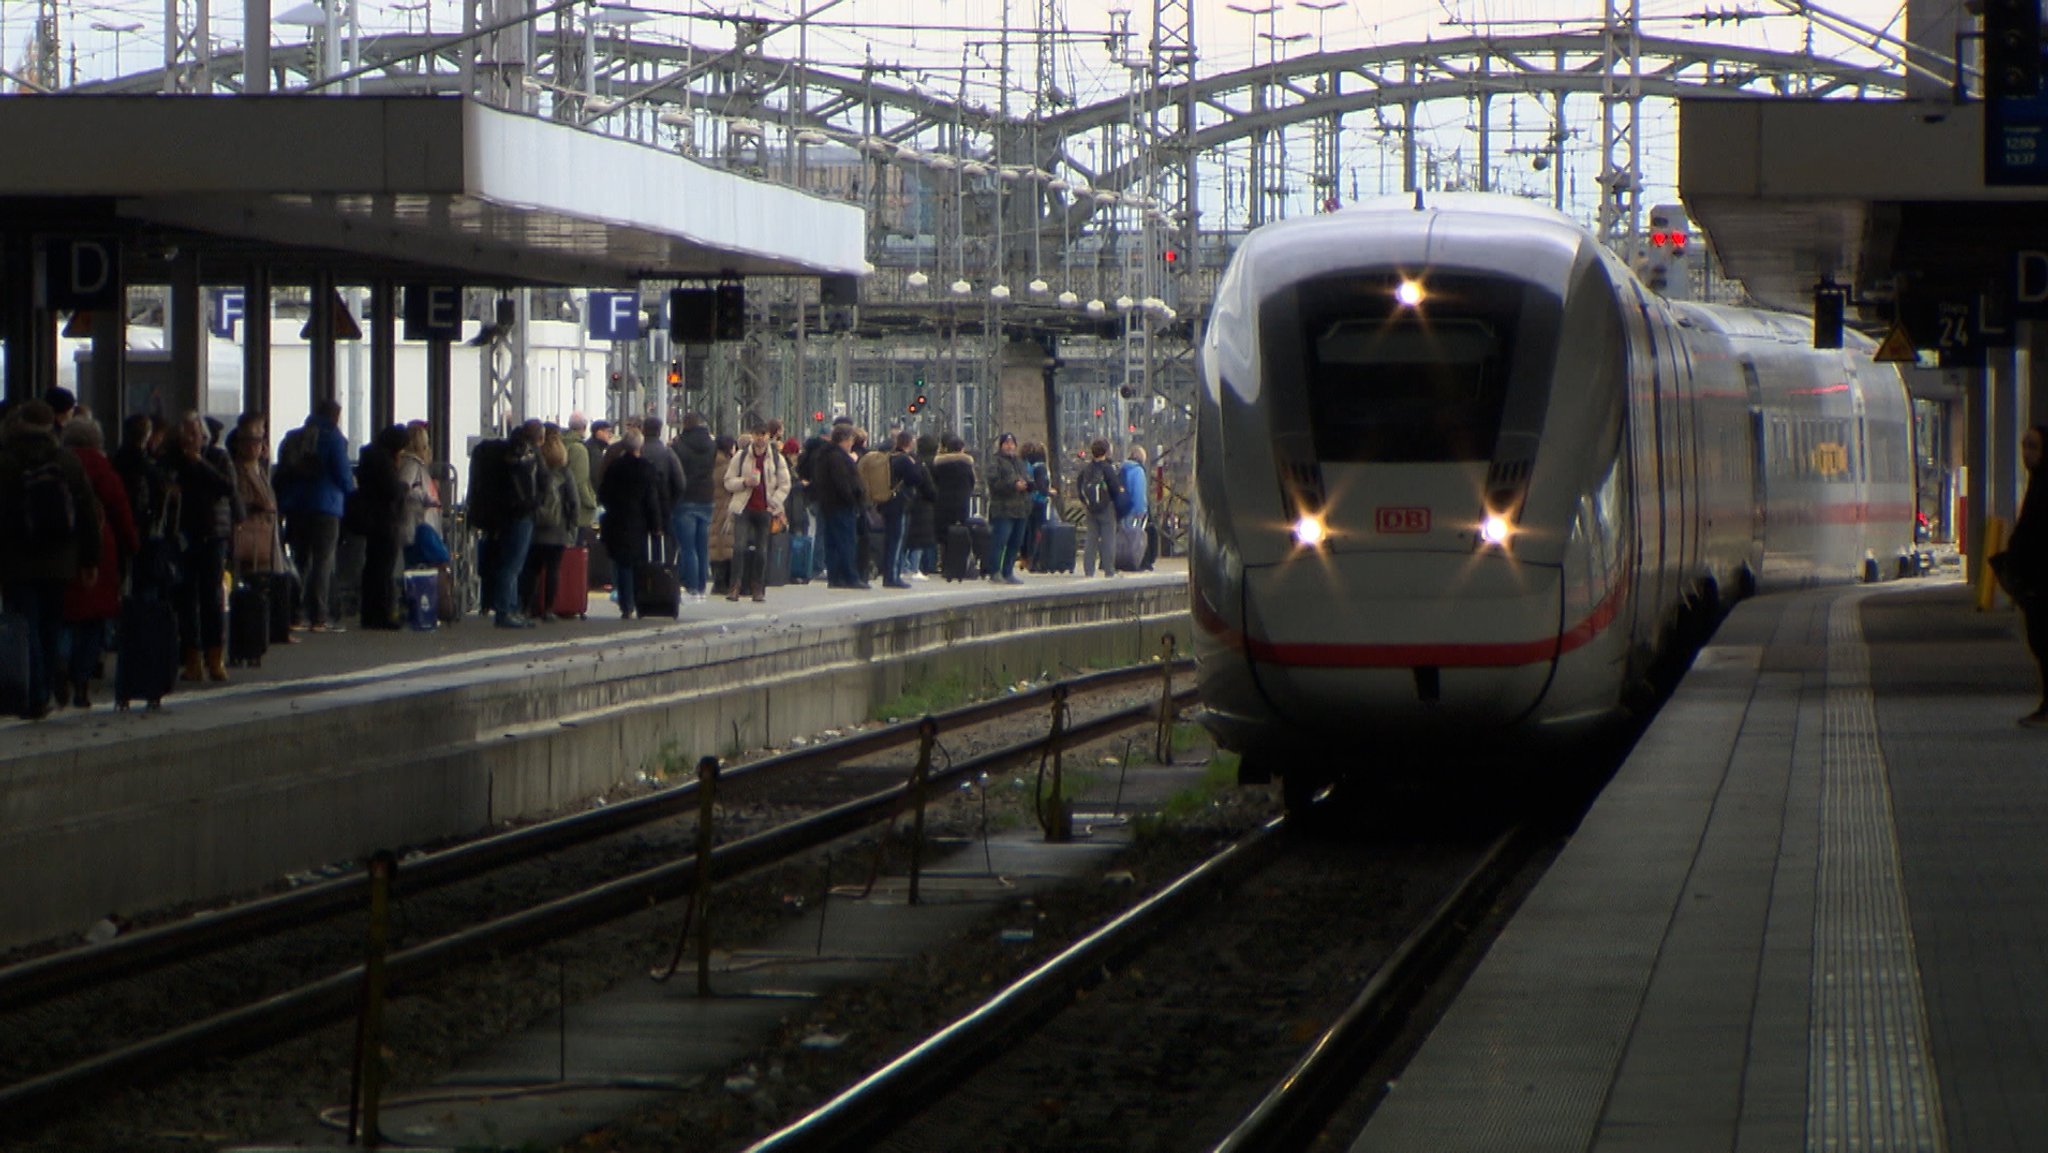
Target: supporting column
[
  {"x": 1020, "y": 401},
  {"x": 2001, "y": 382},
  {"x": 256, "y": 341},
  {"x": 320, "y": 341},
  {"x": 108, "y": 393},
  {"x": 185, "y": 332},
  {"x": 23, "y": 317},
  {"x": 2033, "y": 369},
  {"x": 1976, "y": 458},
  {"x": 441, "y": 401},
  {"x": 255, "y": 47},
  {"x": 383, "y": 355}
]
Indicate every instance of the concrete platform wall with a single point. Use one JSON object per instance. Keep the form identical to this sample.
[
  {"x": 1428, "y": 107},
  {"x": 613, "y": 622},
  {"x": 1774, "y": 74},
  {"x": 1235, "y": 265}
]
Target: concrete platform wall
[{"x": 245, "y": 792}]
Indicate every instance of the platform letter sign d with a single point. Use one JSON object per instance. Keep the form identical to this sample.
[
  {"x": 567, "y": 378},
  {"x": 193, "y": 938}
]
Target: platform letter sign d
[
  {"x": 81, "y": 274},
  {"x": 2030, "y": 282}
]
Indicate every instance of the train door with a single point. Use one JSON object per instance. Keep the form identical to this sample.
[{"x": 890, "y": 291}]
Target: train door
[
  {"x": 1758, "y": 483},
  {"x": 1663, "y": 477}
]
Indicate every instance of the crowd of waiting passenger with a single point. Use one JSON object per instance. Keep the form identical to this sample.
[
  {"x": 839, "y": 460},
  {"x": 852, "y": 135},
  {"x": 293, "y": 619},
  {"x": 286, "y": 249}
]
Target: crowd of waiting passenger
[{"x": 193, "y": 520}]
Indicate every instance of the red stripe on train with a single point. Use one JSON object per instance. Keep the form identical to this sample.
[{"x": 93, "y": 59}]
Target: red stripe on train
[{"x": 1314, "y": 655}]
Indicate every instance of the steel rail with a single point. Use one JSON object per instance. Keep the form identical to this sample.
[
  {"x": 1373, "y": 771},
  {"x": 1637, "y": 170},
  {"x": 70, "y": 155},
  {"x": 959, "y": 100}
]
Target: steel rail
[
  {"x": 1294, "y": 1112},
  {"x": 898, "y": 1090},
  {"x": 332, "y": 997},
  {"x": 128, "y": 955}
]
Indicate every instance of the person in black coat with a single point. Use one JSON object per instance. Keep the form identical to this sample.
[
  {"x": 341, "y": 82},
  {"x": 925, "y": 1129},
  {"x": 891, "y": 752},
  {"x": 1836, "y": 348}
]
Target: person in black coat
[
  {"x": 630, "y": 494},
  {"x": 836, "y": 494},
  {"x": 2028, "y": 549},
  {"x": 955, "y": 480},
  {"x": 912, "y": 486},
  {"x": 380, "y": 502},
  {"x": 920, "y": 531},
  {"x": 203, "y": 485}
]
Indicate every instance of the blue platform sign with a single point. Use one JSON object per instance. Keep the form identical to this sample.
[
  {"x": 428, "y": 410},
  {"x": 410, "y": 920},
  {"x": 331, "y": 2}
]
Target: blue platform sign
[
  {"x": 614, "y": 315},
  {"x": 226, "y": 310}
]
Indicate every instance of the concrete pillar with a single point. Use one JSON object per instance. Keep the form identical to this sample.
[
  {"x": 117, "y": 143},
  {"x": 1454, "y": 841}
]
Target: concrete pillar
[
  {"x": 441, "y": 401},
  {"x": 256, "y": 340},
  {"x": 185, "y": 333},
  {"x": 320, "y": 341},
  {"x": 108, "y": 394},
  {"x": 2001, "y": 383},
  {"x": 1976, "y": 462},
  {"x": 1020, "y": 401},
  {"x": 383, "y": 355},
  {"x": 2033, "y": 372}
]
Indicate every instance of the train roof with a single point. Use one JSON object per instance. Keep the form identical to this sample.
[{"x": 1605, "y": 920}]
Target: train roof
[
  {"x": 1758, "y": 324},
  {"x": 1449, "y": 230}
]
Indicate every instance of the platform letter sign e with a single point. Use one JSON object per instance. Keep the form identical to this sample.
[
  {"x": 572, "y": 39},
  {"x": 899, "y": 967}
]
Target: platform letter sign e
[
  {"x": 433, "y": 312},
  {"x": 81, "y": 274}
]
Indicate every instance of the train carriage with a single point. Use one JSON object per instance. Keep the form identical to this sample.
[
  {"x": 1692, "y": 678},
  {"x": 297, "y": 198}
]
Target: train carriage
[{"x": 1463, "y": 484}]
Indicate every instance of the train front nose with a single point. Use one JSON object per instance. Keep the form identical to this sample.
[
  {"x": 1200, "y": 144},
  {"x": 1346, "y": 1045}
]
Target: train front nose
[{"x": 1444, "y": 646}]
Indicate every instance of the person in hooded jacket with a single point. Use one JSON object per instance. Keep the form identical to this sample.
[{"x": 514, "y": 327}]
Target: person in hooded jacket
[
  {"x": 954, "y": 479},
  {"x": 920, "y": 532},
  {"x": 88, "y": 607},
  {"x": 632, "y": 516},
  {"x": 697, "y": 454},
  {"x": 557, "y": 510},
  {"x": 44, "y": 491},
  {"x": 1009, "y": 510}
]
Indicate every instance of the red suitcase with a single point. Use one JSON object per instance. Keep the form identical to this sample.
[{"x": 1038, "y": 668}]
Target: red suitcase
[{"x": 572, "y": 590}]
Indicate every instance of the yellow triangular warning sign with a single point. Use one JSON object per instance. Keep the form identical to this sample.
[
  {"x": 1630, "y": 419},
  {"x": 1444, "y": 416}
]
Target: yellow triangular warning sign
[{"x": 1896, "y": 346}]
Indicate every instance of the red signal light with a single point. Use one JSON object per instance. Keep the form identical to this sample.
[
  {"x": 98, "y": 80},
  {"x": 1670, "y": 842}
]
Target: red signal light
[
  {"x": 1658, "y": 239},
  {"x": 817, "y": 418},
  {"x": 1098, "y": 412},
  {"x": 1678, "y": 240},
  {"x": 1171, "y": 256}
]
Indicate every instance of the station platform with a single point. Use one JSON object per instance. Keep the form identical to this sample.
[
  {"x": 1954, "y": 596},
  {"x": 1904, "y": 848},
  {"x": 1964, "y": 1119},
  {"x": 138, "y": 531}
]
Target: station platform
[
  {"x": 353, "y": 741},
  {"x": 1805, "y": 914}
]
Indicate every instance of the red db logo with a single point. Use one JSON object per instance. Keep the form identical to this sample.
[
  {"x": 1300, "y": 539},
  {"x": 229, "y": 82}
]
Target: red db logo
[{"x": 1401, "y": 520}]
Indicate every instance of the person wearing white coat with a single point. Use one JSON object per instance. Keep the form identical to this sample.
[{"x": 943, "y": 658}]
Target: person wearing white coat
[{"x": 758, "y": 479}]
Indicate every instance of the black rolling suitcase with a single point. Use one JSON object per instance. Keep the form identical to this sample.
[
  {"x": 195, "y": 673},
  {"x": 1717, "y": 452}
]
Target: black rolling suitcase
[
  {"x": 984, "y": 545},
  {"x": 776, "y": 574},
  {"x": 1057, "y": 546},
  {"x": 656, "y": 589},
  {"x": 249, "y": 621},
  {"x": 958, "y": 560},
  {"x": 146, "y": 661}
]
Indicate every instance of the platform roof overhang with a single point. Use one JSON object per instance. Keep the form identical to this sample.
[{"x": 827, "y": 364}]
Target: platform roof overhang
[
  {"x": 415, "y": 188},
  {"x": 1884, "y": 196}
]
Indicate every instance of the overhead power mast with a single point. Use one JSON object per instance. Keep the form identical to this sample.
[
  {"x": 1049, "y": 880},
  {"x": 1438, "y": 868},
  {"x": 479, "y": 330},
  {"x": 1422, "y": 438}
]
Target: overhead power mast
[{"x": 1621, "y": 106}]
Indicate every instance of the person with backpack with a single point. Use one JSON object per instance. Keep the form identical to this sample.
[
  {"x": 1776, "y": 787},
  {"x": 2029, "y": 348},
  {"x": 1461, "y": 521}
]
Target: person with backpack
[
  {"x": 758, "y": 483},
  {"x": 313, "y": 478},
  {"x": 49, "y": 541},
  {"x": 1097, "y": 485},
  {"x": 558, "y": 510},
  {"x": 503, "y": 487},
  {"x": 907, "y": 482}
]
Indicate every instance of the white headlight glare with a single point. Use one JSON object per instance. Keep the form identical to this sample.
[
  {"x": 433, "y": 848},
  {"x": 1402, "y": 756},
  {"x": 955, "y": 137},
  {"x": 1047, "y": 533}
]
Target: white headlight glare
[
  {"x": 1309, "y": 532},
  {"x": 1494, "y": 530},
  {"x": 1408, "y": 293}
]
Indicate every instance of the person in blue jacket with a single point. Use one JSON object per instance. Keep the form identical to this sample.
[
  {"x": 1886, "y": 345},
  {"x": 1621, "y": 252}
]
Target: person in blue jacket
[
  {"x": 313, "y": 478},
  {"x": 1132, "y": 509}
]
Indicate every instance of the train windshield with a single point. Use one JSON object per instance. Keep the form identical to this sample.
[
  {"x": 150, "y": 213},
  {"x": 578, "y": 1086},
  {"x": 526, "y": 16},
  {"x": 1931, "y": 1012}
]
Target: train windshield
[{"x": 1393, "y": 384}]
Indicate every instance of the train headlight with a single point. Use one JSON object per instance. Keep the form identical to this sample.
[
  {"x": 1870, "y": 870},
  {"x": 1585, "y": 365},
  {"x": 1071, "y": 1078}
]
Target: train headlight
[
  {"x": 1494, "y": 530},
  {"x": 1408, "y": 293},
  {"x": 1309, "y": 532}
]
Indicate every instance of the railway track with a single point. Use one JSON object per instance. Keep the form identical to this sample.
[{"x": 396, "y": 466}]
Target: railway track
[
  {"x": 175, "y": 956},
  {"x": 1181, "y": 1023}
]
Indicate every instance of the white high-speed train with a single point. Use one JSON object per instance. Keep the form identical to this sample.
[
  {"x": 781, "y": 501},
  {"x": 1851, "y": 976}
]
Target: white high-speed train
[{"x": 1462, "y": 484}]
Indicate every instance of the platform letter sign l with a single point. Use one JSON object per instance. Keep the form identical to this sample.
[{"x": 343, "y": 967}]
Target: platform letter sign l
[{"x": 81, "y": 274}]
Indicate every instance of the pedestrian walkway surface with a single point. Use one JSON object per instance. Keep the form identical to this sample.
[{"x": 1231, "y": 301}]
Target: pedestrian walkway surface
[{"x": 1806, "y": 914}]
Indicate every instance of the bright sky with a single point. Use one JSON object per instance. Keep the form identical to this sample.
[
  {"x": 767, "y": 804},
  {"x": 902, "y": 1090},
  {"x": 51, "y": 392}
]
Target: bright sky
[{"x": 940, "y": 42}]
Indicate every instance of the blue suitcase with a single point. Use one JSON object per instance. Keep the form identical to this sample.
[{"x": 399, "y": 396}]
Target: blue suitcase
[
  {"x": 421, "y": 607},
  {"x": 801, "y": 554}
]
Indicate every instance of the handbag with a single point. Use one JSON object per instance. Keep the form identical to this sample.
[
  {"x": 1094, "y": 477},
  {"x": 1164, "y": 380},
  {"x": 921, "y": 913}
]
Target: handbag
[
  {"x": 777, "y": 524},
  {"x": 2013, "y": 576},
  {"x": 873, "y": 517},
  {"x": 427, "y": 549}
]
